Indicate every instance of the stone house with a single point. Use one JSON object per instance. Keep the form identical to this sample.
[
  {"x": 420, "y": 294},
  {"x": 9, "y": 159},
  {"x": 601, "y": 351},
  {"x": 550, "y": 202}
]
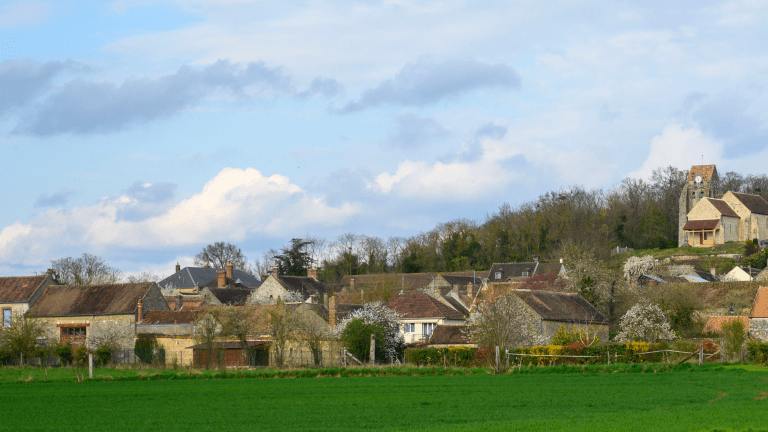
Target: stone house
[
  {"x": 711, "y": 221},
  {"x": 518, "y": 271},
  {"x": 421, "y": 314},
  {"x": 753, "y": 215},
  {"x": 446, "y": 336},
  {"x": 193, "y": 277},
  {"x": 173, "y": 330},
  {"x": 570, "y": 310},
  {"x": 275, "y": 286},
  {"x": 88, "y": 314},
  {"x": 18, "y": 293},
  {"x": 758, "y": 316},
  {"x": 702, "y": 182}
]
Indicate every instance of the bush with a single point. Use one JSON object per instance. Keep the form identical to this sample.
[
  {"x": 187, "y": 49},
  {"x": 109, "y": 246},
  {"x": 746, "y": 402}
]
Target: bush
[
  {"x": 103, "y": 355},
  {"x": 453, "y": 356},
  {"x": 64, "y": 352},
  {"x": 734, "y": 337},
  {"x": 80, "y": 356},
  {"x": 757, "y": 351},
  {"x": 357, "y": 339},
  {"x": 144, "y": 348}
]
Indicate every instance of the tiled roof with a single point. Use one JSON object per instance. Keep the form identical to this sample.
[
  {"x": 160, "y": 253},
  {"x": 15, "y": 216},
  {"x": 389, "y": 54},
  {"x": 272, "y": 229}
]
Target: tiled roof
[
  {"x": 417, "y": 305},
  {"x": 190, "y": 277},
  {"x": 722, "y": 207},
  {"x": 231, "y": 296},
  {"x": 760, "y": 306},
  {"x": 511, "y": 270},
  {"x": 707, "y": 276},
  {"x": 715, "y": 323},
  {"x": 449, "y": 335},
  {"x": 348, "y": 299},
  {"x": 709, "y": 224},
  {"x": 69, "y": 300},
  {"x": 405, "y": 281},
  {"x": 543, "y": 282},
  {"x": 705, "y": 171},
  {"x": 463, "y": 280},
  {"x": 548, "y": 268},
  {"x": 172, "y": 317},
  {"x": 19, "y": 288},
  {"x": 556, "y": 306},
  {"x": 755, "y": 203},
  {"x": 456, "y": 304},
  {"x": 305, "y": 285}
]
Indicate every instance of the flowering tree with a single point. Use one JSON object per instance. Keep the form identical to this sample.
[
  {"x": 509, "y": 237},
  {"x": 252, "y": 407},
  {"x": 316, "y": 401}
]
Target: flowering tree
[
  {"x": 289, "y": 297},
  {"x": 644, "y": 322},
  {"x": 21, "y": 335},
  {"x": 502, "y": 319},
  {"x": 386, "y": 320},
  {"x": 635, "y": 267}
]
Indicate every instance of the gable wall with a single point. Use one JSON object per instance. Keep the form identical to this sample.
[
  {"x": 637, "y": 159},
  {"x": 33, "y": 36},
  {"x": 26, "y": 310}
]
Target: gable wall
[{"x": 269, "y": 287}]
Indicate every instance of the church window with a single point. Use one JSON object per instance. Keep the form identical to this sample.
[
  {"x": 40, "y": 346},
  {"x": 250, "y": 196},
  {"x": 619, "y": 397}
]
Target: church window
[
  {"x": 693, "y": 194},
  {"x": 701, "y": 194}
]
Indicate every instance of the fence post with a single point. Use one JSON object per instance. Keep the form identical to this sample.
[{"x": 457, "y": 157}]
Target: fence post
[
  {"x": 609, "y": 357},
  {"x": 373, "y": 349},
  {"x": 90, "y": 365},
  {"x": 498, "y": 360},
  {"x": 506, "y": 353},
  {"x": 701, "y": 353}
]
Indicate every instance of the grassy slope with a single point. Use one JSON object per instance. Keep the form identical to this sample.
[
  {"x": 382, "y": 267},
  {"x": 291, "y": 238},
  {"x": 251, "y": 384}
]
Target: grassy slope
[{"x": 729, "y": 397}]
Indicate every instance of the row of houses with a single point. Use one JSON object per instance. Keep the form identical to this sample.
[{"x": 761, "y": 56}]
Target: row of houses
[{"x": 433, "y": 307}]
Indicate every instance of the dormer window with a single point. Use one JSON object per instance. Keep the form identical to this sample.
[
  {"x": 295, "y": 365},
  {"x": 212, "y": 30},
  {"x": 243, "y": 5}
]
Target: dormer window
[
  {"x": 525, "y": 274},
  {"x": 498, "y": 275}
]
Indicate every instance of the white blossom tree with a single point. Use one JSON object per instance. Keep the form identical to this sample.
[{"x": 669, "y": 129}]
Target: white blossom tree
[
  {"x": 635, "y": 267},
  {"x": 377, "y": 313},
  {"x": 644, "y": 322}
]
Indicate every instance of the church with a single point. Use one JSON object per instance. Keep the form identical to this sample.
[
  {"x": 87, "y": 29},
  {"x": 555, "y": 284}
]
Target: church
[{"x": 708, "y": 218}]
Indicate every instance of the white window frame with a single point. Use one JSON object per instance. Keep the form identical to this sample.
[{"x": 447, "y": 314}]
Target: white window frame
[
  {"x": 525, "y": 274},
  {"x": 428, "y": 328},
  {"x": 409, "y": 328},
  {"x": 7, "y": 316},
  {"x": 498, "y": 275}
]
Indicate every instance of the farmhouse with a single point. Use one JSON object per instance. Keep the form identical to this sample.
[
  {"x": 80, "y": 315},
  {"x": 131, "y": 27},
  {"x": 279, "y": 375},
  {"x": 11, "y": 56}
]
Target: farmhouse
[
  {"x": 287, "y": 288},
  {"x": 18, "y": 293},
  {"x": 421, "y": 314},
  {"x": 570, "y": 310}
]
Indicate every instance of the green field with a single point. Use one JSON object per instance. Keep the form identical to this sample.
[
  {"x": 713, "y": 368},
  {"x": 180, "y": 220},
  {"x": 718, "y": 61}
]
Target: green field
[{"x": 712, "y": 398}]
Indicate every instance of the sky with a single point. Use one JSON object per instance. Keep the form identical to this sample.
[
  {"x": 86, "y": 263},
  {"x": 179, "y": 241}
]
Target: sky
[{"x": 140, "y": 131}]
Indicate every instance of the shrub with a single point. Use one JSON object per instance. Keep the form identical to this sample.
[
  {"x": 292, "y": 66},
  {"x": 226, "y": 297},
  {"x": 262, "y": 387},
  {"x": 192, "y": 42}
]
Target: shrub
[
  {"x": 64, "y": 352},
  {"x": 452, "y": 356},
  {"x": 757, "y": 351},
  {"x": 357, "y": 338},
  {"x": 103, "y": 355},
  {"x": 144, "y": 348},
  {"x": 734, "y": 336},
  {"x": 80, "y": 355}
]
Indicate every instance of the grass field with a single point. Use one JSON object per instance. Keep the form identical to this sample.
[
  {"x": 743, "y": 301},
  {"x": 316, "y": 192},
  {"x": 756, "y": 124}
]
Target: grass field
[{"x": 710, "y": 399}]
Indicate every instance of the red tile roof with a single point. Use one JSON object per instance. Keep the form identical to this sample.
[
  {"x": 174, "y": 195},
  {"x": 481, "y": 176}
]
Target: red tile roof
[
  {"x": 708, "y": 224},
  {"x": 19, "y": 288},
  {"x": 705, "y": 171},
  {"x": 419, "y": 305},
  {"x": 172, "y": 317},
  {"x": 755, "y": 203},
  {"x": 760, "y": 306},
  {"x": 449, "y": 335},
  {"x": 715, "y": 323},
  {"x": 722, "y": 207}
]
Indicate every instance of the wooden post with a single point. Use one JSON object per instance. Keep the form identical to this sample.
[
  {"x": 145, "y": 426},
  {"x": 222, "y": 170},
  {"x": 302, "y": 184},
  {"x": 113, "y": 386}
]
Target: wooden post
[
  {"x": 498, "y": 359},
  {"x": 90, "y": 365},
  {"x": 609, "y": 357},
  {"x": 701, "y": 353},
  {"x": 373, "y": 349},
  {"x": 506, "y": 353}
]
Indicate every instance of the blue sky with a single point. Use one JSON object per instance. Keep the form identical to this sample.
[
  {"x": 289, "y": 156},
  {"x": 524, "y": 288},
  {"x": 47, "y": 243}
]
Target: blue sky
[{"x": 143, "y": 130}]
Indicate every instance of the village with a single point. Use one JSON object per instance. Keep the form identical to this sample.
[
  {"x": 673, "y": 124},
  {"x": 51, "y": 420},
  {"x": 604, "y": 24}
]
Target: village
[{"x": 219, "y": 317}]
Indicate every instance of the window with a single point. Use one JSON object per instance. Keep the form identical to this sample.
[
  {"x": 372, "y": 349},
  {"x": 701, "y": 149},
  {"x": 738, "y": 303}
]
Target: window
[
  {"x": 427, "y": 328},
  {"x": 693, "y": 194},
  {"x": 498, "y": 275},
  {"x": 409, "y": 327},
  {"x": 525, "y": 274},
  {"x": 701, "y": 194},
  {"x": 6, "y": 317},
  {"x": 74, "y": 333}
]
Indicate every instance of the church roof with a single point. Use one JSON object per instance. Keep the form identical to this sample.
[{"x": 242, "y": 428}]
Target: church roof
[
  {"x": 701, "y": 224},
  {"x": 755, "y": 203},
  {"x": 722, "y": 207},
  {"x": 705, "y": 171}
]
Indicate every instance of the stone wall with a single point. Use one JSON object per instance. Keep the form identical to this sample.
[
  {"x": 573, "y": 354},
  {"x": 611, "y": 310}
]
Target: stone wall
[
  {"x": 549, "y": 328},
  {"x": 758, "y": 329},
  {"x": 118, "y": 327}
]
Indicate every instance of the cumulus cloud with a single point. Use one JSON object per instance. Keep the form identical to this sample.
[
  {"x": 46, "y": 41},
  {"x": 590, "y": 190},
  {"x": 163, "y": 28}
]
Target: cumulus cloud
[
  {"x": 237, "y": 204},
  {"x": 21, "y": 81},
  {"x": 728, "y": 118},
  {"x": 142, "y": 200},
  {"x": 327, "y": 87},
  {"x": 681, "y": 147},
  {"x": 426, "y": 81},
  {"x": 415, "y": 131},
  {"x": 56, "y": 199},
  {"x": 81, "y": 106}
]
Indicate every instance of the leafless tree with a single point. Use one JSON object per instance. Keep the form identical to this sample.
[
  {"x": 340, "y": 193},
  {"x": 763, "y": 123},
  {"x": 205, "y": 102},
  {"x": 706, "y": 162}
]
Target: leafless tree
[
  {"x": 283, "y": 322},
  {"x": 144, "y": 276},
  {"x": 88, "y": 269},
  {"x": 219, "y": 254},
  {"x": 207, "y": 331},
  {"x": 240, "y": 322}
]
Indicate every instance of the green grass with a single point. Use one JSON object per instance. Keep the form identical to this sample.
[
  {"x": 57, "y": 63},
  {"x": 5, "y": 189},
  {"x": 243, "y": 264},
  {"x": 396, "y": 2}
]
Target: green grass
[{"x": 540, "y": 399}]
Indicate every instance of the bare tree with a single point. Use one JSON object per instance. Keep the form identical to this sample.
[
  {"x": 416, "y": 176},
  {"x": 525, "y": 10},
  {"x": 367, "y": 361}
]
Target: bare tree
[
  {"x": 283, "y": 322},
  {"x": 144, "y": 276},
  {"x": 240, "y": 322},
  {"x": 88, "y": 269},
  {"x": 219, "y": 254},
  {"x": 207, "y": 331},
  {"x": 502, "y": 320}
]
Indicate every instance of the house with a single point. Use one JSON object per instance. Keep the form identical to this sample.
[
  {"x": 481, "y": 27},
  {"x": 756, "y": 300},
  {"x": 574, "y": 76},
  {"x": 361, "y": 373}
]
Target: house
[
  {"x": 446, "y": 336},
  {"x": 741, "y": 274},
  {"x": 83, "y": 314},
  {"x": 289, "y": 289},
  {"x": 555, "y": 309},
  {"x": 758, "y": 316},
  {"x": 753, "y": 215},
  {"x": 18, "y": 293},
  {"x": 191, "y": 277},
  {"x": 371, "y": 287},
  {"x": 711, "y": 221},
  {"x": 173, "y": 330},
  {"x": 420, "y": 314},
  {"x": 508, "y": 272},
  {"x": 715, "y": 323}
]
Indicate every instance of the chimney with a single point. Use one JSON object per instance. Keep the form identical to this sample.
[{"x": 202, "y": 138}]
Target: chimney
[
  {"x": 352, "y": 284},
  {"x": 230, "y": 270},
  {"x": 207, "y": 265},
  {"x": 275, "y": 271},
  {"x": 469, "y": 289},
  {"x": 536, "y": 258},
  {"x": 178, "y": 267},
  {"x": 221, "y": 279},
  {"x": 178, "y": 302},
  {"x": 49, "y": 271},
  {"x": 325, "y": 299},
  {"x": 332, "y": 311},
  {"x": 139, "y": 312},
  {"x": 312, "y": 273},
  {"x": 713, "y": 271}
]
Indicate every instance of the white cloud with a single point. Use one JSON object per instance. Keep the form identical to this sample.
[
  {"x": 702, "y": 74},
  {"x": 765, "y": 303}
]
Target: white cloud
[
  {"x": 236, "y": 204},
  {"x": 680, "y": 147},
  {"x": 23, "y": 13}
]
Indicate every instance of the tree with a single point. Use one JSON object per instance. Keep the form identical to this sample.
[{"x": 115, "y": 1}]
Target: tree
[
  {"x": 283, "y": 322},
  {"x": 294, "y": 260},
  {"x": 20, "y": 337},
  {"x": 207, "y": 330},
  {"x": 88, "y": 269},
  {"x": 644, "y": 322},
  {"x": 635, "y": 267},
  {"x": 734, "y": 336},
  {"x": 379, "y": 320},
  {"x": 144, "y": 276},
  {"x": 240, "y": 322},
  {"x": 219, "y": 254},
  {"x": 502, "y": 320}
]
